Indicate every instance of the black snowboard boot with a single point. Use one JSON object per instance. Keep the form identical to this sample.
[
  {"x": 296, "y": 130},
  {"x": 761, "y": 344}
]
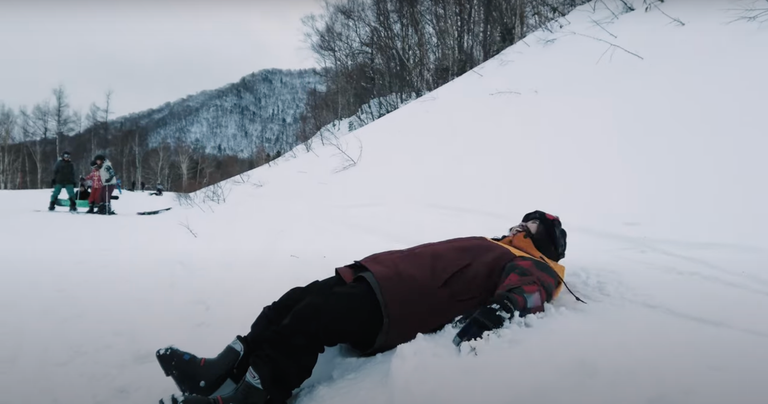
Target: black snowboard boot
[
  {"x": 72, "y": 205},
  {"x": 249, "y": 391},
  {"x": 104, "y": 209},
  {"x": 52, "y": 205},
  {"x": 203, "y": 376},
  {"x": 90, "y": 208}
]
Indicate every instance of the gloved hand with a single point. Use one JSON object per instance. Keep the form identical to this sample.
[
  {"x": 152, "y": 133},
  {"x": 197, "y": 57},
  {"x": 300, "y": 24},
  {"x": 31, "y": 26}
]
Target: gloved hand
[
  {"x": 488, "y": 318},
  {"x": 109, "y": 179}
]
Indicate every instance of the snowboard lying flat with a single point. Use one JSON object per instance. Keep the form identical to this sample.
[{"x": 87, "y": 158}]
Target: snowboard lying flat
[
  {"x": 153, "y": 212},
  {"x": 59, "y": 211}
]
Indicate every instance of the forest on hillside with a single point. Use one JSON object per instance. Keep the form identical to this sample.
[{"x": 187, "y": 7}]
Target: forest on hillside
[
  {"x": 372, "y": 57},
  {"x": 183, "y": 145}
]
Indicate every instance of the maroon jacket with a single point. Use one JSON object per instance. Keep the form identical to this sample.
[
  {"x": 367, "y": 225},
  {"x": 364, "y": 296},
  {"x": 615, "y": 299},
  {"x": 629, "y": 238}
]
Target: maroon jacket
[{"x": 423, "y": 288}]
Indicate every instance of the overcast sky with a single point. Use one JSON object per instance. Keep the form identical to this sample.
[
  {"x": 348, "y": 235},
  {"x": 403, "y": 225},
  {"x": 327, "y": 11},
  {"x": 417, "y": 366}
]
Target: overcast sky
[{"x": 147, "y": 51}]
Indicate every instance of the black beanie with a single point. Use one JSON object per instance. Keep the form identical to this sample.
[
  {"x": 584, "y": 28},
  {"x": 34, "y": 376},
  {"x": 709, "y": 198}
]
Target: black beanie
[{"x": 552, "y": 240}]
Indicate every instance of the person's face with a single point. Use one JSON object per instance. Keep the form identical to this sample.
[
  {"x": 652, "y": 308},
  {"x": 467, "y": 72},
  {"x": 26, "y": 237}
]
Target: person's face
[{"x": 65, "y": 157}]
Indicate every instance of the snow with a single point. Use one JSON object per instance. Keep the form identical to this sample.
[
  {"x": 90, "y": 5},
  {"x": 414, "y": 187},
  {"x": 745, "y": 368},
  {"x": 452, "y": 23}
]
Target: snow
[{"x": 656, "y": 167}]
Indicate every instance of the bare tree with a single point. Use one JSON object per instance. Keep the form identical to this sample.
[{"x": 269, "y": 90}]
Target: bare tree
[
  {"x": 185, "y": 155},
  {"x": 107, "y": 110},
  {"x": 347, "y": 160},
  {"x": 260, "y": 156},
  {"x": 7, "y": 129},
  {"x": 78, "y": 122},
  {"x": 122, "y": 151},
  {"x": 159, "y": 162},
  {"x": 753, "y": 12},
  {"x": 41, "y": 123},
  {"x": 61, "y": 116},
  {"x": 94, "y": 122},
  {"x": 137, "y": 148},
  {"x": 27, "y": 133},
  {"x": 188, "y": 227},
  {"x": 375, "y": 55}
]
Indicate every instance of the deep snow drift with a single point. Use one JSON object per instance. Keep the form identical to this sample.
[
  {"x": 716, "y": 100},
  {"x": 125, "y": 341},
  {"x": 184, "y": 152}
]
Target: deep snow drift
[{"x": 655, "y": 166}]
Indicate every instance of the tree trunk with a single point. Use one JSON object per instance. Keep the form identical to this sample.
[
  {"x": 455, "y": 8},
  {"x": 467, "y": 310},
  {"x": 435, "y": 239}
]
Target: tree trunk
[
  {"x": 26, "y": 167},
  {"x": 138, "y": 156}
]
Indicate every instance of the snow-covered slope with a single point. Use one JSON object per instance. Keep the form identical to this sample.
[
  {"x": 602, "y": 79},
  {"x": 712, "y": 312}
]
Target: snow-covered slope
[
  {"x": 655, "y": 166},
  {"x": 262, "y": 108}
]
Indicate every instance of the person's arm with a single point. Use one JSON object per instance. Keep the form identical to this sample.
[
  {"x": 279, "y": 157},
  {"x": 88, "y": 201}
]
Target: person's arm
[
  {"x": 524, "y": 288},
  {"x": 110, "y": 173}
]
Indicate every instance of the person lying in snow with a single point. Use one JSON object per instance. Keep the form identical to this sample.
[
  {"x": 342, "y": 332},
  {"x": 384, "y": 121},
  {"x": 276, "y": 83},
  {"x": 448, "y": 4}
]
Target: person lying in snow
[
  {"x": 378, "y": 303},
  {"x": 158, "y": 191}
]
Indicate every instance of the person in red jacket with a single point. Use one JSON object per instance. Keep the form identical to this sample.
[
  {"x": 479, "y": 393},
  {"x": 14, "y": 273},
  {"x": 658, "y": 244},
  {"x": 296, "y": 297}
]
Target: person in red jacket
[
  {"x": 378, "y": 303},
  {"x": 94, "y": 199}
]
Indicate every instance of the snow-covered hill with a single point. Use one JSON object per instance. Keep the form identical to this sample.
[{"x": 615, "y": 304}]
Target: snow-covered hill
[
  {"x": 655, "y": 166},
  {"x": 262, "y": 108}
]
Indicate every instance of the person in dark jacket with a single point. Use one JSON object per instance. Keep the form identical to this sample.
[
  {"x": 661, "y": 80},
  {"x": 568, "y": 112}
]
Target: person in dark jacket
[
  {"x": 83, "y": 194},
  {"x": 378, "y": 303},
  {"x": 64, "y": 177},
  {"x": 158, "y": 191}
]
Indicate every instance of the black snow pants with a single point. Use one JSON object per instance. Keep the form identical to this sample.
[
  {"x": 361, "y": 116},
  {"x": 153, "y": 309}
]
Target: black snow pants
[{"x": 287, "y": 337}]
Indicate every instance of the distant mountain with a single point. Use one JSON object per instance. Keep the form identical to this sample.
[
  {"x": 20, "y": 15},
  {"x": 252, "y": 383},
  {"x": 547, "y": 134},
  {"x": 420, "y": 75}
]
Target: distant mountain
[{"x": 262, "y": 108}]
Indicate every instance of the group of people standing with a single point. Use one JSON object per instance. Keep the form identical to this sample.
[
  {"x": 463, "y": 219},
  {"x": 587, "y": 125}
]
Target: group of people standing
[
  {"x": 102, "y": 180},
  {"x": 97, "y": 187}
]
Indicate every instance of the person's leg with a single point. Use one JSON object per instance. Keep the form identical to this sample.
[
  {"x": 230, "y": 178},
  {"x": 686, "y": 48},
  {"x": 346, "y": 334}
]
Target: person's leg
[
  {"x": 276, "y": 313},
  {"x": 91, "y": 201},
  {"x": 98, "y": 198},
  {"x": 96, "y": 194},
  {"x": 71, "y": 193},
  {"x": 108, "y": 198},
  {"x": 54, "y": 196},
  {"x": 285, "y": 355},
  {"x": 203, "y": 376},
  {"x": 103, "y": 201},
  {"x": 286, "y": 351},
  {"x": 56, "y": 192}
]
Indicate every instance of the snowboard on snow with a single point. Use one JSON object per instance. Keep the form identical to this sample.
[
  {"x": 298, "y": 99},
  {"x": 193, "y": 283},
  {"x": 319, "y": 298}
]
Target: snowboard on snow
[
  {"x": 58, "y": 211},
  {"x": 153, "y": 212},
  {"x": 145, "y": 213}
]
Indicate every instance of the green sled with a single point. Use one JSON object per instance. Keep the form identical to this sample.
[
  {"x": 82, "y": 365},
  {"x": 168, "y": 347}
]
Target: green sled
[{"x": 65, "y": 203}]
